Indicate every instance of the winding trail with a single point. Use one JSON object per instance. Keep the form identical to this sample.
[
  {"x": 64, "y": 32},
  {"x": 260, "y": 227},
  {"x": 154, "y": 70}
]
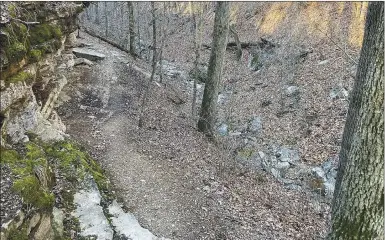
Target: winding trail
[{"x": 167, "y": 174}]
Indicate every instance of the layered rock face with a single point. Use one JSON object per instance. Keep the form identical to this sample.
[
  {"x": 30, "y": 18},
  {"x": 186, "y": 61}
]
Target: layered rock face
[
  {"x": 33, "y": 37},
  {"x": 34, "y": 69}
]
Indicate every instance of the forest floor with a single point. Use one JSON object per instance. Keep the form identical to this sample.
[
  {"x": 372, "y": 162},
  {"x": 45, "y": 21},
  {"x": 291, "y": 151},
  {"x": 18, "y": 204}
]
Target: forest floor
[{"x": 177, "y": 183}]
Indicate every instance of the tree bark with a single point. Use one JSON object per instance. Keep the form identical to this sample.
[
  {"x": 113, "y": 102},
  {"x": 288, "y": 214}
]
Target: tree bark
[
  {"x": 237, "y": 42},
  {"x": 147, "y": 90},
  {"x": 198, "y": 42},
  {"x": 97, "y": 13},
  {"x": 164, "y": 32},
  {"x": 131, "y": 27},
  {"x": 210, "y": 96},
  {"x": 106, "y": 19},
  {"x": 358, "y": 204}
]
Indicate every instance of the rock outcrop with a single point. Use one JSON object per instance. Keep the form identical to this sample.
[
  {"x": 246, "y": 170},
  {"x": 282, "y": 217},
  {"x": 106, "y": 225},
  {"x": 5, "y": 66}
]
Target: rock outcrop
[{"x": 33, "y": 40}]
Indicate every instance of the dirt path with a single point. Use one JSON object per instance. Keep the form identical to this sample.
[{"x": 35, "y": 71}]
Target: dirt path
[{"x": 167, "y": 174}]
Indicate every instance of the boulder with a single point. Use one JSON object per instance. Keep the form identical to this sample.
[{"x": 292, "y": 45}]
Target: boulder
[
  {"x": 292, "y": 91},
  {"x": 88, "y": 54},
  {"x": 79, "y": 61}
]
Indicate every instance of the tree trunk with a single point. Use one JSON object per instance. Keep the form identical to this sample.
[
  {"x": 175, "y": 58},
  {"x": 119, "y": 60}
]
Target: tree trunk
[
  {"x": 358, "y": 204},
  {"x": 131, "y": 28},
  {"x": 208, "y": 109},
  {"x": 147, "y": 90},
  {"x": 97, "y": 13},
  {"x": 138, "y": 26},
  {"x": 106, "y": 19},
  {"x": 198, "y": 41},
  {"x": 237, "y": 42},
  {"x": 163, "y": 30}
]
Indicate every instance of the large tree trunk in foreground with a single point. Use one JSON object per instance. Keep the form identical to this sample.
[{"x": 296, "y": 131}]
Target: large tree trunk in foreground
[
  {"x": 209, "y": 103},
  {"x": 358, "y": 204}
]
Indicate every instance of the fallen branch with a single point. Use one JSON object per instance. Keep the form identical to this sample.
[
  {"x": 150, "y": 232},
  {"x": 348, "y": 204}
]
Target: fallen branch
[
  {"x": 261, "y": 44},
  {"x": 107, "y": 41},
  {"x": 20, "y": 21},
  {"x": 24, "y": 22}
]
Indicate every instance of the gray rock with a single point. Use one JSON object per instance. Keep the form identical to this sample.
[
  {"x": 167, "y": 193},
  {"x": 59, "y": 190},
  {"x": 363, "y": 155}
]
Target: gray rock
[
  {"x": 44, "y": 230},
  {"x": 222, "y": 98},
  {"x": 318, "y": 172},
  {"x": 223, "y": 129},
  {"x": 88, "y": 54},
  {"x": 11, "y": 94},
  {"x": 25, "y": 119},
  {"x": 292, "y": 91},
  {"x": 288, "y": 155},
  {"x": 85, "y": 61},
  {"x": 2, "y": 84},
  {"x": 125, "y": 224},
  {"x": 90, "y": 213},
  {"x": 275, "y": 173},
  {"x": 283, "y": 166},
  {"x": 33, "y": 222},
  {"x": 261, "y": 154},
  {"x": 255, "y": 125},
  {"x": 58, "y": 218},
  {"x": 338, "y": 93},
  {"x": 323, "y": 62},
  {"x": 294, "y": 186}
]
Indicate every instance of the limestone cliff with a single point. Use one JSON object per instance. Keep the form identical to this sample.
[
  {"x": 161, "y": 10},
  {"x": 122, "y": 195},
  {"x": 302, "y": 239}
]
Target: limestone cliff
[
  {"x": 33, "y": 37},
  {"x": 34, "y": 68}
]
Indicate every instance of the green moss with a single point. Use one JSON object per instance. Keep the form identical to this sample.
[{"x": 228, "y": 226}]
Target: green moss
[
  {"x": 20, "y": 77},
  {"x": 71, "y": 156},
  {"x": 246, "y": 152},
  {"x": 28, "y": 186},
  {"x": 16, "y": 51},
  {"x": 18, "y": 234},
  {"x": 35, "y": 55},
  {"x": 12, "y": 10},
  {"x": 42, "y": 33},
  {"x": 31, "y": 191},
  {"x": 9, "y": 156}
]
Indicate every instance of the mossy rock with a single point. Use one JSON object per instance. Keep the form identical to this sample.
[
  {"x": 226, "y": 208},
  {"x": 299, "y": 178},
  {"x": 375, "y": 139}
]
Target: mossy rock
[
  {"x": 245, "y": 153},
  {"x": 35, "y": 55},
  {"x": 16, "y": 51},
  {"x": 71, "y": 156},
  {"x": 20, "y": 77},
  {"x": 18, "y": 233},
  {"x": 43, "y": 33},
  {"x": 28, "y": 186},
  {"x": 33, "y": 193}
]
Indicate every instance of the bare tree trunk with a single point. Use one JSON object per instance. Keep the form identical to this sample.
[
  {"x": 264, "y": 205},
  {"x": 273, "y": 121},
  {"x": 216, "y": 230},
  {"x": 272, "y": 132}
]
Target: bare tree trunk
[
  {"x": 147, "y": 90},
  {"x": 131, "y": 28},
  {"x": 97, "y": 13},
  {"x": 210, "y": 97},
  {"x": 198, "y": 42},
  {"x": 358, "y": 204},
  {"x": 138, "y": 24},
  {"x": 163, "y": 30},
  {"x": 236, "y": 39},
  {"x": 106, "y": 19}
]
